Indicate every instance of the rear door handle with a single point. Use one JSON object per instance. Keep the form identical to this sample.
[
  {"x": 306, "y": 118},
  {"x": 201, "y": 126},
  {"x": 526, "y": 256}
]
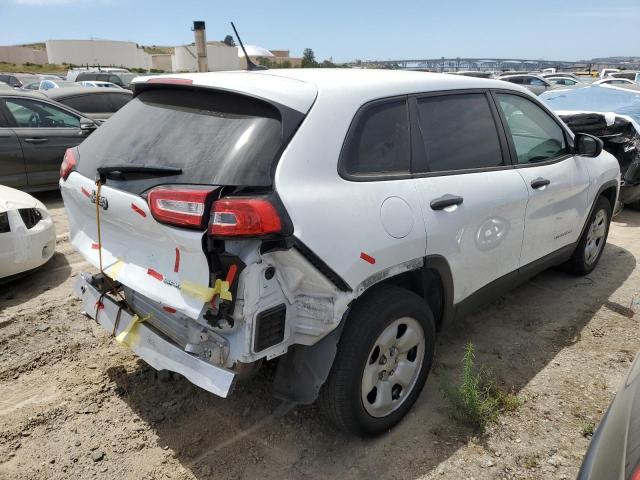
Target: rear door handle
[
  {"x": 36, "y": 140},
  {"x": 445, "y": 201},
  {"x": 539, "y": 182}
]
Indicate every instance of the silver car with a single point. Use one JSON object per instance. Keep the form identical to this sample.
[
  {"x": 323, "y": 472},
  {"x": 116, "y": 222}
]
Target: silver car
[{"x": 534, "y": 83}]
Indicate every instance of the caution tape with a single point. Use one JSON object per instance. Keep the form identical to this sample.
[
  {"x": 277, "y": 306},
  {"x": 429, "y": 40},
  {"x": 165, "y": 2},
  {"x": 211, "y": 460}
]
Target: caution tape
[{"x": 129, "y": 335}]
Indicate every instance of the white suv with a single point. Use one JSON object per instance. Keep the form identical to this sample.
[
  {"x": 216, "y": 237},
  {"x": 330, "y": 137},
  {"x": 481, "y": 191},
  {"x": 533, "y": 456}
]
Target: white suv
[{"x": 335, "y": 219}]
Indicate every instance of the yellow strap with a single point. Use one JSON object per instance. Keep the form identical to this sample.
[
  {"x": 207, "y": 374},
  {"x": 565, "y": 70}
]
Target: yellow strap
[
  {"x": 129, "y": 332},
  {"x": 221, "y": 289},
  {"x": 197, "y": 291},
  {"x": 98, "y": 185}
]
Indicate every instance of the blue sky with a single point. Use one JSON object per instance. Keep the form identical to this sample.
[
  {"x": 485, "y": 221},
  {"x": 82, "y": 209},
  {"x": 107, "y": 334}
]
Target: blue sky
[{"x": 346, "y": 30}]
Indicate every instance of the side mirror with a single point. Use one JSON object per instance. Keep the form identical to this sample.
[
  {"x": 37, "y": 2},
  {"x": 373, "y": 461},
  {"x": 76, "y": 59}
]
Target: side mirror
[
  {"x": 87, "y": 126},
  {"x": 587, "y": 145}
]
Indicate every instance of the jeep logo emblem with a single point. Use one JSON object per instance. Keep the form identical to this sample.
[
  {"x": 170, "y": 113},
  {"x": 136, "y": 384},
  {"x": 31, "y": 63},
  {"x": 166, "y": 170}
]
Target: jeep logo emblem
[{"x": 102, "y": 201}]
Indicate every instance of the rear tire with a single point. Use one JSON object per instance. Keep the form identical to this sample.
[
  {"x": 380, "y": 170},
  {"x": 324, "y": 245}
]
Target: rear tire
[
  {"x": 383, "y": 360},
  {"x": 593, "y": 239}
]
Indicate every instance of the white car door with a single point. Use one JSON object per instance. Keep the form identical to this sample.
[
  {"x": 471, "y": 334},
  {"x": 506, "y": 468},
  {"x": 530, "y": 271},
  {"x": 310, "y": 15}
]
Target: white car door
[
  {"x": 473, "y": 200},
  {"x": 557, "y": 180}
]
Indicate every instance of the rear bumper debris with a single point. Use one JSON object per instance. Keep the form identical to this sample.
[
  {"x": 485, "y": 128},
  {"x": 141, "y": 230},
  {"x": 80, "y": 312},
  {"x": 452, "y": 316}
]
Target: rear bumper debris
[{"x": 151, "y": 346}]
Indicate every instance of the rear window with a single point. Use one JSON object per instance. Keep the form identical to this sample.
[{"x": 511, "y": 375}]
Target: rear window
[
  {"x": 214, "y": 137},
  {"x": 93, "y": 103}
]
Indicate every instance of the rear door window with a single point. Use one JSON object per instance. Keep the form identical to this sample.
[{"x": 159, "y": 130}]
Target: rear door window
[
  {"x": 459, "y": 133},
  {"x": 379, "y": 143},
  {"x": 213, "y": 137}
]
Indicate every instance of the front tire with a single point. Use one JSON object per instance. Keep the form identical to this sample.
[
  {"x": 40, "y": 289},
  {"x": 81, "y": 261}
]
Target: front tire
[
  {"x": 383, "y": 360},
  {"x": 593, "y": 239}
]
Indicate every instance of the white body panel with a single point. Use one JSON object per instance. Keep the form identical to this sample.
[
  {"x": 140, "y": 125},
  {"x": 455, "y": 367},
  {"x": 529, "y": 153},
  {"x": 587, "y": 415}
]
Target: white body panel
[
  {"x": 23, "y": 249},
  {"x": 137, "y": 250},
  {"x": 481, "y": 239},
  {"x": 556, "y": 212}
]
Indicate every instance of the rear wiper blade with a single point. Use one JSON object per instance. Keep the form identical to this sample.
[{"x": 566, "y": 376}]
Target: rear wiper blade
[{"x": 121, "y": 170}]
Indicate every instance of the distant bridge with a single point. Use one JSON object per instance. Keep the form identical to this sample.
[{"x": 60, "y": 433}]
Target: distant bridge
[{"x": 455, "y": 64}]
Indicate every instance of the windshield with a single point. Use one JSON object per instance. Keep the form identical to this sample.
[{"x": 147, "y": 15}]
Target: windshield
[{"x": 214, "y": 138}]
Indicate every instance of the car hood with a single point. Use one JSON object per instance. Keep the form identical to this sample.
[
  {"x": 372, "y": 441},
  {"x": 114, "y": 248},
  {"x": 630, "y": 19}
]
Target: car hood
[{"x": 12, "y": 199}]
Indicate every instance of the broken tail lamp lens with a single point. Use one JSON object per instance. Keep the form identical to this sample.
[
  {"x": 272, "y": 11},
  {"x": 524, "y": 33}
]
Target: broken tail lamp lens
[
  {"x": 180, "y": 207},
  {"x": 69, "y": 162},
  {"x": 244, "y": 217}
]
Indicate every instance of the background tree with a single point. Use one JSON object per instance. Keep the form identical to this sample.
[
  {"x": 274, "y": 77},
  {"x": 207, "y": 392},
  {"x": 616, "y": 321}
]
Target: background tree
[
  {"x": 229, "y": 41},
  {"x": 308, "y": 59}
]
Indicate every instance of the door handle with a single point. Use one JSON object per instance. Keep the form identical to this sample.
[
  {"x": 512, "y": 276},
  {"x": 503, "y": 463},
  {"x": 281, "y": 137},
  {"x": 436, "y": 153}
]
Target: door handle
[
  {"x": 36, "y": 140},
  {"x": 539, "y": 182},
  {"x": 445, "y": 201}
]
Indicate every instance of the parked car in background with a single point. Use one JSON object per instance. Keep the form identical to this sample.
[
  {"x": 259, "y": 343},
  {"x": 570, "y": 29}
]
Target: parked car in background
[
  {"x": 18, "y": 80},
  {"x": 98, "y": 83},
  {"x": 96, "y": 103},
  {"x": 534, "y": 83},
  {"x": 606, "y": 71},
  {"x": 566, "y": 82},
  {"x": 560, "y": 74},
  {"x": 34, "y": 134},
  {"x": 335, "y": 218},
  {"x": 5, "y": 87},
  {"x": 48, "y": 84},
  {"x": 613, "y": 115},
  {"x": 619, "y": 83},
  {"x": 27, "y": 233},
  {"x": 628, "y": 74},
  {"x": 121, "y": 79},
  {"x": 614, "y": 451},
  {"x": 474, "y": 73},
  {"x": 73, "y": 73}
]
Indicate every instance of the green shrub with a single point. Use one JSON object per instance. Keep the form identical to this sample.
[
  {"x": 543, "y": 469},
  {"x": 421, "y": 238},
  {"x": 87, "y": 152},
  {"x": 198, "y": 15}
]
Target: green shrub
[
  {"x": 476, "y": 401},
  {"x": 587, "y": 427}
]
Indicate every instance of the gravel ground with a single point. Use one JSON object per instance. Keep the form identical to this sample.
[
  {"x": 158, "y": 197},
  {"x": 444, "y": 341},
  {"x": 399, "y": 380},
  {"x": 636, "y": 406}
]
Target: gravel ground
[{"x": 75, "y": 404}]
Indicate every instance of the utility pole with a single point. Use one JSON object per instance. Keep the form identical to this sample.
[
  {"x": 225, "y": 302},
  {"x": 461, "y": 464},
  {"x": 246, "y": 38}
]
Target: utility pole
[{"x": 201, "y": 46}]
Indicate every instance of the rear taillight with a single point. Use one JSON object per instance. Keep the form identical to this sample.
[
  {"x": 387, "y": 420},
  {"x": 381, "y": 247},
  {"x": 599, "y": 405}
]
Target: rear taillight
[
  {"x": 180, "y": 207},
  {"x": 244, "y": 217},
  {"x": 69, "y": 162},
  {"x": 636, "y": 474}
]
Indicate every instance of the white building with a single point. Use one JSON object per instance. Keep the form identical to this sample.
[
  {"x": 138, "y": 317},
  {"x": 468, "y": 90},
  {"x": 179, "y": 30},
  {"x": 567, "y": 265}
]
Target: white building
[
  {"x": 98, "y": 52},
  {"x": 109, "y": 53},
  {"x": 219, "y": 57}
]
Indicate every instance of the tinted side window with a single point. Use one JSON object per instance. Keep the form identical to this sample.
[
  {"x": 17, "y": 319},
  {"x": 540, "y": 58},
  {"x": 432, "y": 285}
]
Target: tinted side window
[
  {"x": 459, "y": 132},
  {"x": 118, "y": 101},
  {"x": 380, "y": 141},
  {"x": 95, "y": 103},
  {"x": 114, "y": 79},
  {"x": 536, "y": 136},
  {"x": 518, "y": 80}
]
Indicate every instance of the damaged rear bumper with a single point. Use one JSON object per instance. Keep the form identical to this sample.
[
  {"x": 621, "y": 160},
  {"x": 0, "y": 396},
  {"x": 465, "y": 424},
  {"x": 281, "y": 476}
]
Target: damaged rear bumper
[{"x": 150, "y": 345}]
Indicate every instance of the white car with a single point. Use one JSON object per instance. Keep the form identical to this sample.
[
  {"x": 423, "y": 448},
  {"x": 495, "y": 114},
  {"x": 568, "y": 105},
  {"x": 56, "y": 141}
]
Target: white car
[
  {"x": 27, "y": 233},
  {"x": 335, "y": 219},
  {"x": 100, "y": 84}
]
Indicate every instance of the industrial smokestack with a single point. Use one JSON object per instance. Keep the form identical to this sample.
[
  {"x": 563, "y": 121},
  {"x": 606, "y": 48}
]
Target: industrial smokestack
[{"x": 201, "y": 46}]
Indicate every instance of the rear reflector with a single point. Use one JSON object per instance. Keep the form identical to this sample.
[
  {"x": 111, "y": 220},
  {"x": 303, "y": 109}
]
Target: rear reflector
[
  {"x": 244, "y": 217},
  {"x": 180, "y": 207},
  {"x": 69, "y": 162}
]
